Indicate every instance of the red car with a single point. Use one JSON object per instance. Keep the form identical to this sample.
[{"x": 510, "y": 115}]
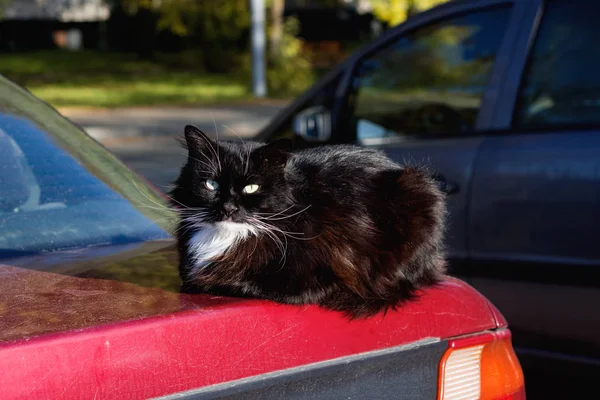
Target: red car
[{"x": 90, "y": 309}]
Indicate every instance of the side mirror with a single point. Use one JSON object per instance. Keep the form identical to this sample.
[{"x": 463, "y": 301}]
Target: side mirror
[{"x": 313, "y": 124}]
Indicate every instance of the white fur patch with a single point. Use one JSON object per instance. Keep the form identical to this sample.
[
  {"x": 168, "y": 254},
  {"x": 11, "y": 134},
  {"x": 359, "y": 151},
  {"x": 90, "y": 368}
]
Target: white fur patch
[{"x": 215, "y": 239}]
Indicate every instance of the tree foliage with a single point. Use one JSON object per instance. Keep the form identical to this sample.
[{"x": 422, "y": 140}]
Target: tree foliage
[
  {"x": 394, "y": 12},
  {"x": 219, "y": 30},
  {"x": 215, "y": 20}
]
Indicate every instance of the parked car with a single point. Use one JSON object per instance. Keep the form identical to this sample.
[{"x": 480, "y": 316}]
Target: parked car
[
  {"x": 501, "y": 98},
  {"x": 90, "y": 308}
]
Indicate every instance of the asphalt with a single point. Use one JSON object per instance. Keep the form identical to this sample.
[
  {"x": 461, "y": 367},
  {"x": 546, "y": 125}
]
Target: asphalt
[
  {"x": 145, "y": 138},
  {"x": 243, "y": 118}
]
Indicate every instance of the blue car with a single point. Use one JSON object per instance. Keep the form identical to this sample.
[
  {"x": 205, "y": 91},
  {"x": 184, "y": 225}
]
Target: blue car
[{"x": 501, "y": 98}]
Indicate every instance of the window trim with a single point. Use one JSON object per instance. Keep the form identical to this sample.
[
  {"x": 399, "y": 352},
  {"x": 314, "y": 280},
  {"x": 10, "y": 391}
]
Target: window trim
[
  {"x": 502, "y": 120},
  {"x": 449, "y": 10}
]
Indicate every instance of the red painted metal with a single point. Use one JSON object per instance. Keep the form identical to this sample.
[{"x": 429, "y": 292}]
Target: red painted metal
[
  {"x": 500, "y": 320},
  {"x": 486, "y": 337},
  {"x": 102, "y": 339}
]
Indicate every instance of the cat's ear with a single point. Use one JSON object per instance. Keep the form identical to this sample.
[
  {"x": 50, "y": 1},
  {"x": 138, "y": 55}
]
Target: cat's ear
[
  {"x": 276, "y": 152},
  {"x": 196, "y": 140}
]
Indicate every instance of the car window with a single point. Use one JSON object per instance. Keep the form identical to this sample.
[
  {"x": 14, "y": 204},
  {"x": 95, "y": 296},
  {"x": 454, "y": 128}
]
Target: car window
[
  {"x": 429, "y": 81},
  {"x": 325, "y": 97},
  {"x": 59, "y": 189},
  {"x": 561, "y": 84}
]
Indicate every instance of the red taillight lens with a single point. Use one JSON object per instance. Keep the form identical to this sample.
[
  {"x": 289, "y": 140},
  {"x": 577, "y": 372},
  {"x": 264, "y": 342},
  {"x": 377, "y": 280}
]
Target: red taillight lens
[{"x": 482, "y": 367}]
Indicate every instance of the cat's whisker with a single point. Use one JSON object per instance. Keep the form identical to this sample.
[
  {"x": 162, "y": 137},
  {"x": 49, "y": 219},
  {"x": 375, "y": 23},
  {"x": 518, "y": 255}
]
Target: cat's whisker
[
  {"x": 292, "y": 234},
  {"x": 254, "y": 249},
  {"x": 270, "y": 230},
  {"x": 192, "y": 210},
  {"x": 249, "y": 148},
  {"x": 277, "y": 213},
  {"x": 176, "y": 209},
  {"x": 277, "y": 242},
  {"x": 181, "y": 226},
  {"x": 161, "y": 206},
  {"x": 286, "y": 232},
  {"x": 273, "y": 230},
  {"x": 209, "y": 166},
  {"x": 217, "y": 140},
  {"x": 234, "y": 132},
  {"x": 181, "y": 204},
  {"x": 288, "y": 216},
  {"x": 157, "y": 208},
  {"x": 195, "y": 216},
  {"x": 156, "y": 221},
  {"x": 209, "y": 163},
  {"x": 305, "y": 239},
  {"x": 263, "y": 223},
  {"x": 215, "y": 152},
  {"x": 174, "y": 228}
]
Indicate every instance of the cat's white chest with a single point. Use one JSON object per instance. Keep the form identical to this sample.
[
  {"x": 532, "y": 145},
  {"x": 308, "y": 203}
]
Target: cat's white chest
[{"x": 214, "y": 240}]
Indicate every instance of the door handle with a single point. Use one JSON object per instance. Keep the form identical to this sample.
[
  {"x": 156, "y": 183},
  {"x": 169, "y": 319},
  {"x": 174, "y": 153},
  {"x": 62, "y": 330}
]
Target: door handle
[{"x": 445, "y": 185}]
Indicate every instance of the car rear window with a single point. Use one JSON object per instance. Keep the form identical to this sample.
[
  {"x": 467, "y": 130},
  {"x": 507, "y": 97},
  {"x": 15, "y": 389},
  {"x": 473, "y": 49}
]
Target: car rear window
[{"x": 59, "y": 189}]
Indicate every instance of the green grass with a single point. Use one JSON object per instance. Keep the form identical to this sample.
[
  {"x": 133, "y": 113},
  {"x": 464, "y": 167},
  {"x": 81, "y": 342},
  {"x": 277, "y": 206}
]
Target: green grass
[{"x": 95, "y": 79}]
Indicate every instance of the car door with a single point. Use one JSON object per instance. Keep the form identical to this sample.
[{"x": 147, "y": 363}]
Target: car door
[
  {"x": 535, "y": 213},
  {"x": 422, "y": 95}
]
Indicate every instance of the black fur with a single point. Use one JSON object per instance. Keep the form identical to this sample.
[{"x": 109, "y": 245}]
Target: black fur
[{"x": 364, "y": 234}]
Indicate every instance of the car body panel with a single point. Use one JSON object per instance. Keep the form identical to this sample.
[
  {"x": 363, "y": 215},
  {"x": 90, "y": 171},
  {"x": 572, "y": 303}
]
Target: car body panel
[
  {"x": 114, "y": 339},
  {"x": 402, "y": 373},
  {"x": 534, "y": 213},
  {"x": 453, "y": 159}
]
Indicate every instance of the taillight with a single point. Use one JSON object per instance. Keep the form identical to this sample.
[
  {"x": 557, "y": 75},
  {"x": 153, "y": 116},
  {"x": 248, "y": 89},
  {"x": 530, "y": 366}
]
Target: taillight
[{"x": 482, "y": 367}]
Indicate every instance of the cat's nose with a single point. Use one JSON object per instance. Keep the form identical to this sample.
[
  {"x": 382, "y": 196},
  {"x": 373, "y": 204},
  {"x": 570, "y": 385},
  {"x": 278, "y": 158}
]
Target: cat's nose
[{"x": 229, "y": 209}]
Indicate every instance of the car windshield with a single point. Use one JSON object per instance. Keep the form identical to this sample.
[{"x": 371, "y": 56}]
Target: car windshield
[{"x": 60, "y": 189}]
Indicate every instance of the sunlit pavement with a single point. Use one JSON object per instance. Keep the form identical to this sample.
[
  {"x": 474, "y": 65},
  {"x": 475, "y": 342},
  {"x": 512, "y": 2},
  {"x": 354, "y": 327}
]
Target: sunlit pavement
[{"x": 145, "y": 137}]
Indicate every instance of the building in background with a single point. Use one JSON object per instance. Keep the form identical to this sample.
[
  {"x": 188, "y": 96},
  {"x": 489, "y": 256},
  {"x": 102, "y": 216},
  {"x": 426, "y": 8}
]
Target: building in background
[
  {"x": 57, "y": 10},
  {"x": 39, "y": 24}
]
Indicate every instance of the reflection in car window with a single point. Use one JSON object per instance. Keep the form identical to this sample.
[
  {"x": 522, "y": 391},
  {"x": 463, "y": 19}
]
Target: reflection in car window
[
  {"x": 60, "y": 189},
  {"x": 429, "y": 81},
  {"x": 561, "y": 84},
  {"x": 324, "y": 97}
]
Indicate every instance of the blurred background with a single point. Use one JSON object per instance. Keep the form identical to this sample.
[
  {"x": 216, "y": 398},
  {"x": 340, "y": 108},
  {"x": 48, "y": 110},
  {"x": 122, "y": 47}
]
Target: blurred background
[
  {"x": 524, "y": 188},
  {"x": 115, "y": 53},
  {"x": 132, "y": 73}
]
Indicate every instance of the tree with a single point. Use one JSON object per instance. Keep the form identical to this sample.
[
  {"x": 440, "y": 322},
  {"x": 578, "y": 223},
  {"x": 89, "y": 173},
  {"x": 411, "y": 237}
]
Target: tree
[
  {"x": 394, "y": 12},
  {"x": 277, "y": 9},
  {"x": 218, "y": 28}
]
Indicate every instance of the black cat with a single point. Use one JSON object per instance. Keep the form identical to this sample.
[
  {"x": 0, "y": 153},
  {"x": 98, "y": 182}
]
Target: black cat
[{"x": 339, "y": 226}]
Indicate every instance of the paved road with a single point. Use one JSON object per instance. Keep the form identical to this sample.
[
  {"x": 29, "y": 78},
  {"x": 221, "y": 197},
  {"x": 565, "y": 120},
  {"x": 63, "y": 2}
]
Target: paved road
[
  {"x": 244, "y": 118},
  {"x": 145, "y": 138}
]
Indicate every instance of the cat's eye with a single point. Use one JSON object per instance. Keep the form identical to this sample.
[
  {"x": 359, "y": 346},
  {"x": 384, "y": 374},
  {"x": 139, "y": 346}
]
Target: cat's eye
[
  {"x": 249, "y": 189},
  {"x": 211, "y": 185}
]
